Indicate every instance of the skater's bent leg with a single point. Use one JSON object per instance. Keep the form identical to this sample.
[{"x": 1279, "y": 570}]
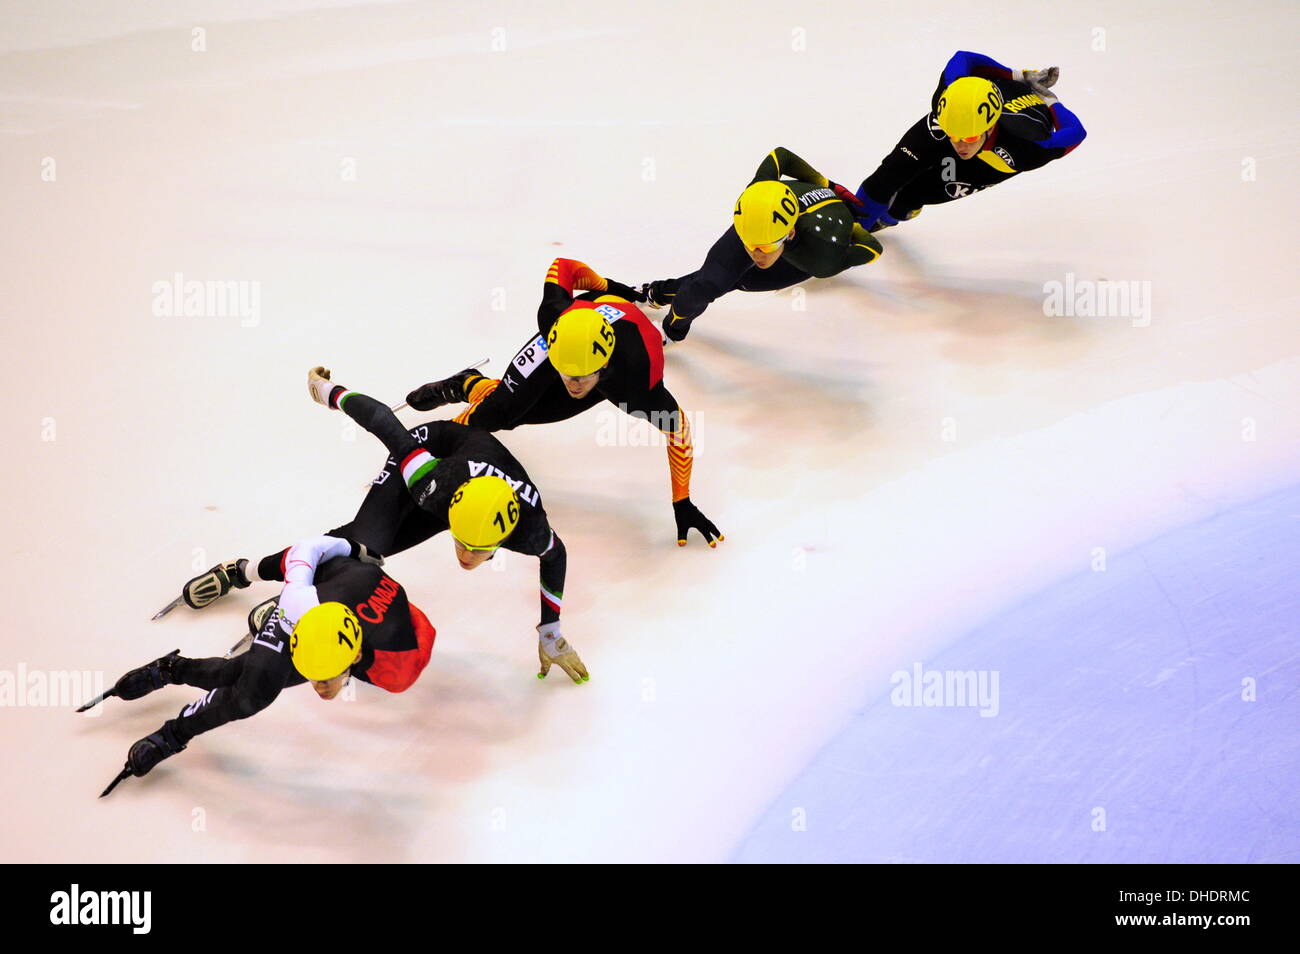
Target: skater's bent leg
[
  {"x": 506, "y": 403},
  {"x": 211, "y": 673}
]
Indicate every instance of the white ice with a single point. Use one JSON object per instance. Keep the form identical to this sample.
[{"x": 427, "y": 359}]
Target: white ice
[{"x": 896, "y": 456}]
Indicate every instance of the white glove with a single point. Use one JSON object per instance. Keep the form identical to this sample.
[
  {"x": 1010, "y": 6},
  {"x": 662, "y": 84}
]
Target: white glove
[
  {"x": 1045, "y": 78},
  {"x": 552, "y": 648},
  {"x": 319, "y": 385},
  {"x": 1040, "y": 82}
]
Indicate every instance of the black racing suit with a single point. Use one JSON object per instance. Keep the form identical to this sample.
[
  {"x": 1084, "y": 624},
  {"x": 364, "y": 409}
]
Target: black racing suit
[
  {"x": 398, "y": 514},
  {"x": 827, "y": 240},
  {"x": 396, "y": 640},
  {"x": 923, "y": 169}
]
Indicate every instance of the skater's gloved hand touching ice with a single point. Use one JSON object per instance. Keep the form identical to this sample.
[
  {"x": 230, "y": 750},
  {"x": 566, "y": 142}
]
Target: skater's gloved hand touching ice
[
  {"x": 554, "y": 649},
  {"x": 688, "y": 517}
]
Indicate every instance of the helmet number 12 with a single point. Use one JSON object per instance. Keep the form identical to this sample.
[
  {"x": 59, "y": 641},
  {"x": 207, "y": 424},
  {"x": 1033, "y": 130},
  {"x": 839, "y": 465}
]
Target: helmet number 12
[{"x": 349, "y": 624}]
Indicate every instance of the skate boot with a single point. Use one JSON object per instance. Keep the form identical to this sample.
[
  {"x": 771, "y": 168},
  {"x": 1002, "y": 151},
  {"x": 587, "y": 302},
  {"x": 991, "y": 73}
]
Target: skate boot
[
  {"x": 140, "y": 682},
  {"x": 257, "y": 618},
  {"x": 259, "y": 614},
  {"x": 660, "y": 293},
  {"x": 215, "y": 583},
  {"x": 452, "y": 390}
]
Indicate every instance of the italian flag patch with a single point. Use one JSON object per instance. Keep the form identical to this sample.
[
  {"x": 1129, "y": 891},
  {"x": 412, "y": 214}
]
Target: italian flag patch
[{"x": 416, "y": 465}]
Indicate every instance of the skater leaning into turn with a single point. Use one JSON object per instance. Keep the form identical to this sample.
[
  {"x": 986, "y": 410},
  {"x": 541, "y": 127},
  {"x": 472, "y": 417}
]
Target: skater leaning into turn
[
  {"x": 441, "y": 476},
  {"x": 594, "y": 347},
  {"x": 986, "y": 124},
  {"x": 784, "y": 231},
  {"x": 338, "y": 615}
]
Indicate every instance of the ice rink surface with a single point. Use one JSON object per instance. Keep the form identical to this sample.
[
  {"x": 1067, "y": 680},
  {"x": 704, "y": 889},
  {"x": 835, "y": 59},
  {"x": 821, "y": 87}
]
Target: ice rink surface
[{"x": 912, "y": 463}]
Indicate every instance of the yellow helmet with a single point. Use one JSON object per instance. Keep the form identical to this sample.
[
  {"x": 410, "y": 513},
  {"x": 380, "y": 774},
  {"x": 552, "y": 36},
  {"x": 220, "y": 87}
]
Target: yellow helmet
[
  {"x": 765, "y": 213},
  {"x": 968, "y": 107},
  {"x": 483, "y": 512},
  {"x": 580, "y": 342},
  {"x": 325, "y": 642}
]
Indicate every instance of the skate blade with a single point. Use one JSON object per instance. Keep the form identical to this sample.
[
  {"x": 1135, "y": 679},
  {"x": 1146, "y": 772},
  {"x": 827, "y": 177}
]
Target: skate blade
[
  {"x": 475, "y": 366},
  {"x": 167, "y": 609},
  {"x": 244, "y": 643},
  {"x": 96, "y": 701}
]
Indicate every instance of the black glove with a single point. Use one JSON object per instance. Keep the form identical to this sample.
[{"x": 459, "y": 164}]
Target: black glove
[
  {"x": 688, "y": 516},
  {"x": 624, "y": 291},
  {"x": 675, "y": 327},
  {"x": 359, "y": 551},
  {"x": 142, "y": 681},
  {"x": 661, "y": 292}
]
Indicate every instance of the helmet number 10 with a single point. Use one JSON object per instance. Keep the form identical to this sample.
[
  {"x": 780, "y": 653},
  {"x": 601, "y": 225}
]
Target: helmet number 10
[{"x": 789, "y": 207}]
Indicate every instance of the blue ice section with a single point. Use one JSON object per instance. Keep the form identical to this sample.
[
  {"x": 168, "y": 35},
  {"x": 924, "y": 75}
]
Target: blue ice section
[{"x": 1124, "y": 730}]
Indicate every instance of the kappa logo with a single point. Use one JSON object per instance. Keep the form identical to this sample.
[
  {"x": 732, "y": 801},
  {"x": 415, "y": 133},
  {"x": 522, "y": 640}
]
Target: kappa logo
[{"x": 427, "y": 492}]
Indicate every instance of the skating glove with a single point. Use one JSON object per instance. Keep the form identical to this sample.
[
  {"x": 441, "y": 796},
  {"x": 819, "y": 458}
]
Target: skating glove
[
  {"x": 872, "y": 212},
  {"x": 675, "y": 327},
  {"x": 625, "y": 291},
  {"x": 360, "y": 552},
  {"x": 554, "y": 649},
  {"x": 1045, "y": 78},
  {"x": 688, "y": 516},
  {"x": 849, "y": 199}
]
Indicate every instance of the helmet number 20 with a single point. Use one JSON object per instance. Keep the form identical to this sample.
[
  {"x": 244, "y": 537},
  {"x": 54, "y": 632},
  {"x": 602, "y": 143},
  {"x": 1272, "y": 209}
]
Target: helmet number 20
[{"x": 990, "y": 105}]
